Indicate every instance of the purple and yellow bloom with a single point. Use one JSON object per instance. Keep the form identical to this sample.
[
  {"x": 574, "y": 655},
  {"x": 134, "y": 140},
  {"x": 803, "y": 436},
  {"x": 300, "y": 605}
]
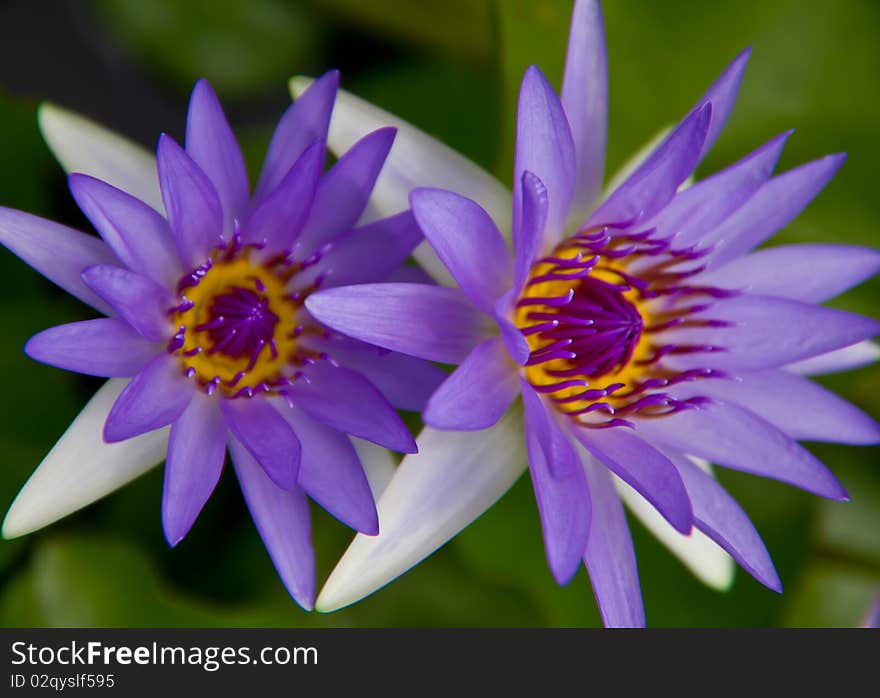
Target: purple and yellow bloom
[
  {"x": 628, "y": 340},
  {"x": 207, "y": 342}
]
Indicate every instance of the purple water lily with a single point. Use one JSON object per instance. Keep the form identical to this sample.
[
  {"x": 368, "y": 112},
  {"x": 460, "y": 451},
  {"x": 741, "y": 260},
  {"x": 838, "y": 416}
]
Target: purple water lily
[
  {"x": 642, "y": 331},
  {"x": 204, "y": 287}
]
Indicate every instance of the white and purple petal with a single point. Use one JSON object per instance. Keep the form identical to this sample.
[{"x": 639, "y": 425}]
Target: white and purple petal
[
  {"x": 454, "y": 478},
  {"x": 82, "y": 468}
]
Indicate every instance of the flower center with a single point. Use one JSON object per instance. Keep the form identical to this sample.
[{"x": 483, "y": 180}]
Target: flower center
[
  {"x": 238, "y": 323},
  {"x": 592, "y": 312}
]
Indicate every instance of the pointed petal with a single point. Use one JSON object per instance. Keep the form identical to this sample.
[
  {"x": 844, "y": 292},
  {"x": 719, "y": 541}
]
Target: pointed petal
[
  {"x": 585, "y": 100},
  {"x": 330, "y": 471},
  {"x": 528, "y": 235},
  {"x": 467, "y": 241},
  {"x": 343, "y": 193},
  {"x": 718, "y": 514},
  {"x": 405, "y": 381},
  {"x": 768, "y": 332},
  {"x": 635, "y": 161},
  {"x": 57, "y": 252},
  {"x": 722, "y": 94},
  {"x": 106, "y": 347},
  {"x": 700, "y": 208},
  {"x": 416, "y": 159},
  {"x": 138, "y": 235},
  {"x": 560, "y": 488},
  {"x": 267, "y": 436},
  {"x": 705, "y": 559},
  {"x": 430, "y": 322},
  {"x": 193, "y": 207},
  {"x": 370, "y": 253},
  {"x": 729, "y": 435},
  {"x": 478, "y": 393},
  {"x": 378, "y": 463},
  {"x": 138, "y": 300},
  {"x": 811, "y": 273},
  {"x": 82, "y": 468},
  {"x": 282, "y": 518},
  {"x": 81, "y": 145},
  {"x": 453, "y": 479},
  {"x": 797, "y": 406},
  {"x": 211, "y": 143},
  {"x": 846, "y": 359},
  {"x": 305, "y": 122},
  {"x": 773, "y": 207},
  {"x": 645, "y": 469},
  {"x": 609, "y": 556},
  {"x": 346, "y": 401},
  {"x": 653, "y": 184},
  {"x": 156, "y": 397},
  {"x": 196, "y": 451},
  {"x": 544, "y": 147},
  {"x": 281, "y": 214}
]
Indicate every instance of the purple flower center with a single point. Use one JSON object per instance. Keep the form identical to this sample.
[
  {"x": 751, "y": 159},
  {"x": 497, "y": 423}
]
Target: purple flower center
[
  {"x": 240, "y": 320},
  {"x": 594, "y": 313},
  {"x": 241, "y": 323}
]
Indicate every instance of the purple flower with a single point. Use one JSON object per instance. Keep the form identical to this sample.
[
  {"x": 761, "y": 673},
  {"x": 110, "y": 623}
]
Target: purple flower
[
  {"x": 643, "y": 334},
  {"x": 207, "y": 342}
]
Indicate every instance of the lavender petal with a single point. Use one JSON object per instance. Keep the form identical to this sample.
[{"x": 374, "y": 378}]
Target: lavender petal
[
  {"x": 191, "y": 203},
  {"x": 59, "y": 253},
  {"x": 656, "y": 180},
  {"x": 609, "y": 556},
  {"x": 211, "y": 143},
  {"x": 156, "y": 397},
  {"x": 343, "y": 193},
  {"x": 106, "y": 347},
  {"x": 138, "y": 300},
  {"x": 196, "y": 451},
  {"x": 544, "y": 147},
  {"x": 282, "y": 518},
  {"x": 645, "y": 469},
  {"x": 330, "y": 471},
  {"x": 560, "y": 488},
  {"x": 729, "y": 435},
  {"x": 429, "y": 322},
  {"x": 267, "y": 436},
  {"x": 305, "y": 122},
  {"x": 346, "y": 401},
  {"x": 478, "y": 393}
]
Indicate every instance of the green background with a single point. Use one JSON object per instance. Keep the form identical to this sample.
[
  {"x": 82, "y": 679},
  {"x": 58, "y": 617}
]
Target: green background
[{"x": 452, "y": 68}]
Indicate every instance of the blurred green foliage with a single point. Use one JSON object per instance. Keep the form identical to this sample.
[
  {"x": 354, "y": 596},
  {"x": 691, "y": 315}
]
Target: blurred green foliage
[{"x": 453, "y": 68}]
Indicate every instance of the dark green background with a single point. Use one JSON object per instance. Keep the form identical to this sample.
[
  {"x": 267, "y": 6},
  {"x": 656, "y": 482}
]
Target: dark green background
[{"x": 452, "y": 68}]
